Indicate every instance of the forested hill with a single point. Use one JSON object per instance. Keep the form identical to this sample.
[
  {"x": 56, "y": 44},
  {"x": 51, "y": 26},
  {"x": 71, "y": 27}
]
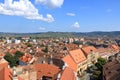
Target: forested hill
[{"x": 64, "y": 34}]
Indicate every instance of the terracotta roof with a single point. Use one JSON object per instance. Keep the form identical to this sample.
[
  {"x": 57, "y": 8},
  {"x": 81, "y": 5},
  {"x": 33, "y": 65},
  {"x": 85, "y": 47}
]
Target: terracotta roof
[
  {"x": 71, "y": 46},
  {"x": 77, "y": 55},
  {"x": 115, "y": 47},
  {"x": 74, "y": 58},
  {"x": 26, "y": 58},
  {"x": 88, "y": 49},
  {"x": 46, "y": 70},
  {"x": 2, "y": 54},
  {"x": 5, "y": 73},
  {"x": 12, "y": 51},
  {"x": 67, "y": 74},
  {"x": 3, "y": 62},
  {"x": 1, "y": 73},
  {"x": 70, "y": 62},
  {"x": 105, "y": 51}
]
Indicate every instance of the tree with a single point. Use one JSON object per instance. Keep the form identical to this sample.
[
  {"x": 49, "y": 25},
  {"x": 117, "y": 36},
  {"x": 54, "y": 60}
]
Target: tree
[
  {"x": 19, "y": 54},
  {"x": 97, "y": 74},
  {"x": 29, "y": 45},
  {"x": 100, "y": 63},
  {"x": 11, "y": 59}
]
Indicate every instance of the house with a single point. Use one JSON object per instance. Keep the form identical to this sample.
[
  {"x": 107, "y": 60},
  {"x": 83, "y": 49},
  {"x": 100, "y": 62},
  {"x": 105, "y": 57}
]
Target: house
[
  {"x": 91, "y": 54},
  {"x": 115, "y": 47},
  {"x": 26, "y": 57},
  {"x": 5, "y": 72},
  {"x": 46, "y": 71},
  {"x": 36, "y": 72},
  {"x": 76, "y": 60},
  {"x": 108, "y": 52},
  {"x": 67, "y": 74},
  {"x": 71, "y": 46}
]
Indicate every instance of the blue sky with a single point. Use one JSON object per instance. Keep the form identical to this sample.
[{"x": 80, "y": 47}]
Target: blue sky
[{"x": 25, "y": 16}]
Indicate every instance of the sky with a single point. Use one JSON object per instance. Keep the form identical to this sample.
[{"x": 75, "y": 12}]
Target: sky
[{"x": 30, "y": 16}]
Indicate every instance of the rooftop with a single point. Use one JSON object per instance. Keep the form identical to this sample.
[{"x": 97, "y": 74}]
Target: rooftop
[
  {"x": 46, "y": 70},
  {"x": 89, "y": 49},
  {"x": 111, "y": 70},
  {"x": 67, "y": 74},
  {"x": 77, "y": 55},
  {"x": 74, "y": 57}
]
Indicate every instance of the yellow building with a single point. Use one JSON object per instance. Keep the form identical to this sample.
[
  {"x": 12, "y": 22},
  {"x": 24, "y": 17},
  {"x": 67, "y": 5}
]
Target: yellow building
[
  {"x": 76, "y": 60},
  {"x": 79, "y": 59},
  {"x": 91, "y": 54}
]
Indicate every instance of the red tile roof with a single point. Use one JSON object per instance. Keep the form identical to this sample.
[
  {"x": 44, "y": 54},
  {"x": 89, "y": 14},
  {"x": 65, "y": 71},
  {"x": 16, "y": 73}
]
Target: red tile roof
[
  {"x": 115, "y": 47},
  {"x": 8, "y": 74},
  {"x": 12, "y": 51},
  {"x": 67, "y": 74},
  {"x": 74, "y": 58},
  {"x": 46, "y": 70},
  {"x": 5, "y": 72},
  {"x": 77, "y": 55},
  {"x": 1, "y": 73},
  {"x": 72, "y": 46},
  {"x": 2, "y": 54},
  {"x": 70, "y": 62},
  {"x": 89, "y": 49},
  {"x": 26, "y": 58},
  {"x": 106, "y": 51},
  {"x": 3, "y": 62}
]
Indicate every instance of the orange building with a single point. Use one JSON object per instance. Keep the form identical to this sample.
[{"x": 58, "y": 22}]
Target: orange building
[
  {"x": 26, "y": 57},
  {"x": 91, "y": 54},
  {"x": 79, "y": 59},
  {"x": 76, "y": 60},
  {"x": 5, "y": 72},
  {"x": 46, "y": 71},
  {"x": 67, "y": 74}
]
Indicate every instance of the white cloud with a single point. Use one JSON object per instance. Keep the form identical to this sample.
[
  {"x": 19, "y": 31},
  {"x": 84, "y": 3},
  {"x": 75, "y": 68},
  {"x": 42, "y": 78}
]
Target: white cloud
[
  {"x": 70, "y": 14},
  {"x": 41, "y": 28},
  {"x": 76, "y": 25},
  {"x": 23, "y": 8},
  {"x": 109, "y": 10},
  {"x": 51, "y": 3}
]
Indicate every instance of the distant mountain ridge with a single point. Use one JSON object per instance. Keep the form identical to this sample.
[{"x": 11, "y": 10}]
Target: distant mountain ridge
[{"x": 64, "y": 34}]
